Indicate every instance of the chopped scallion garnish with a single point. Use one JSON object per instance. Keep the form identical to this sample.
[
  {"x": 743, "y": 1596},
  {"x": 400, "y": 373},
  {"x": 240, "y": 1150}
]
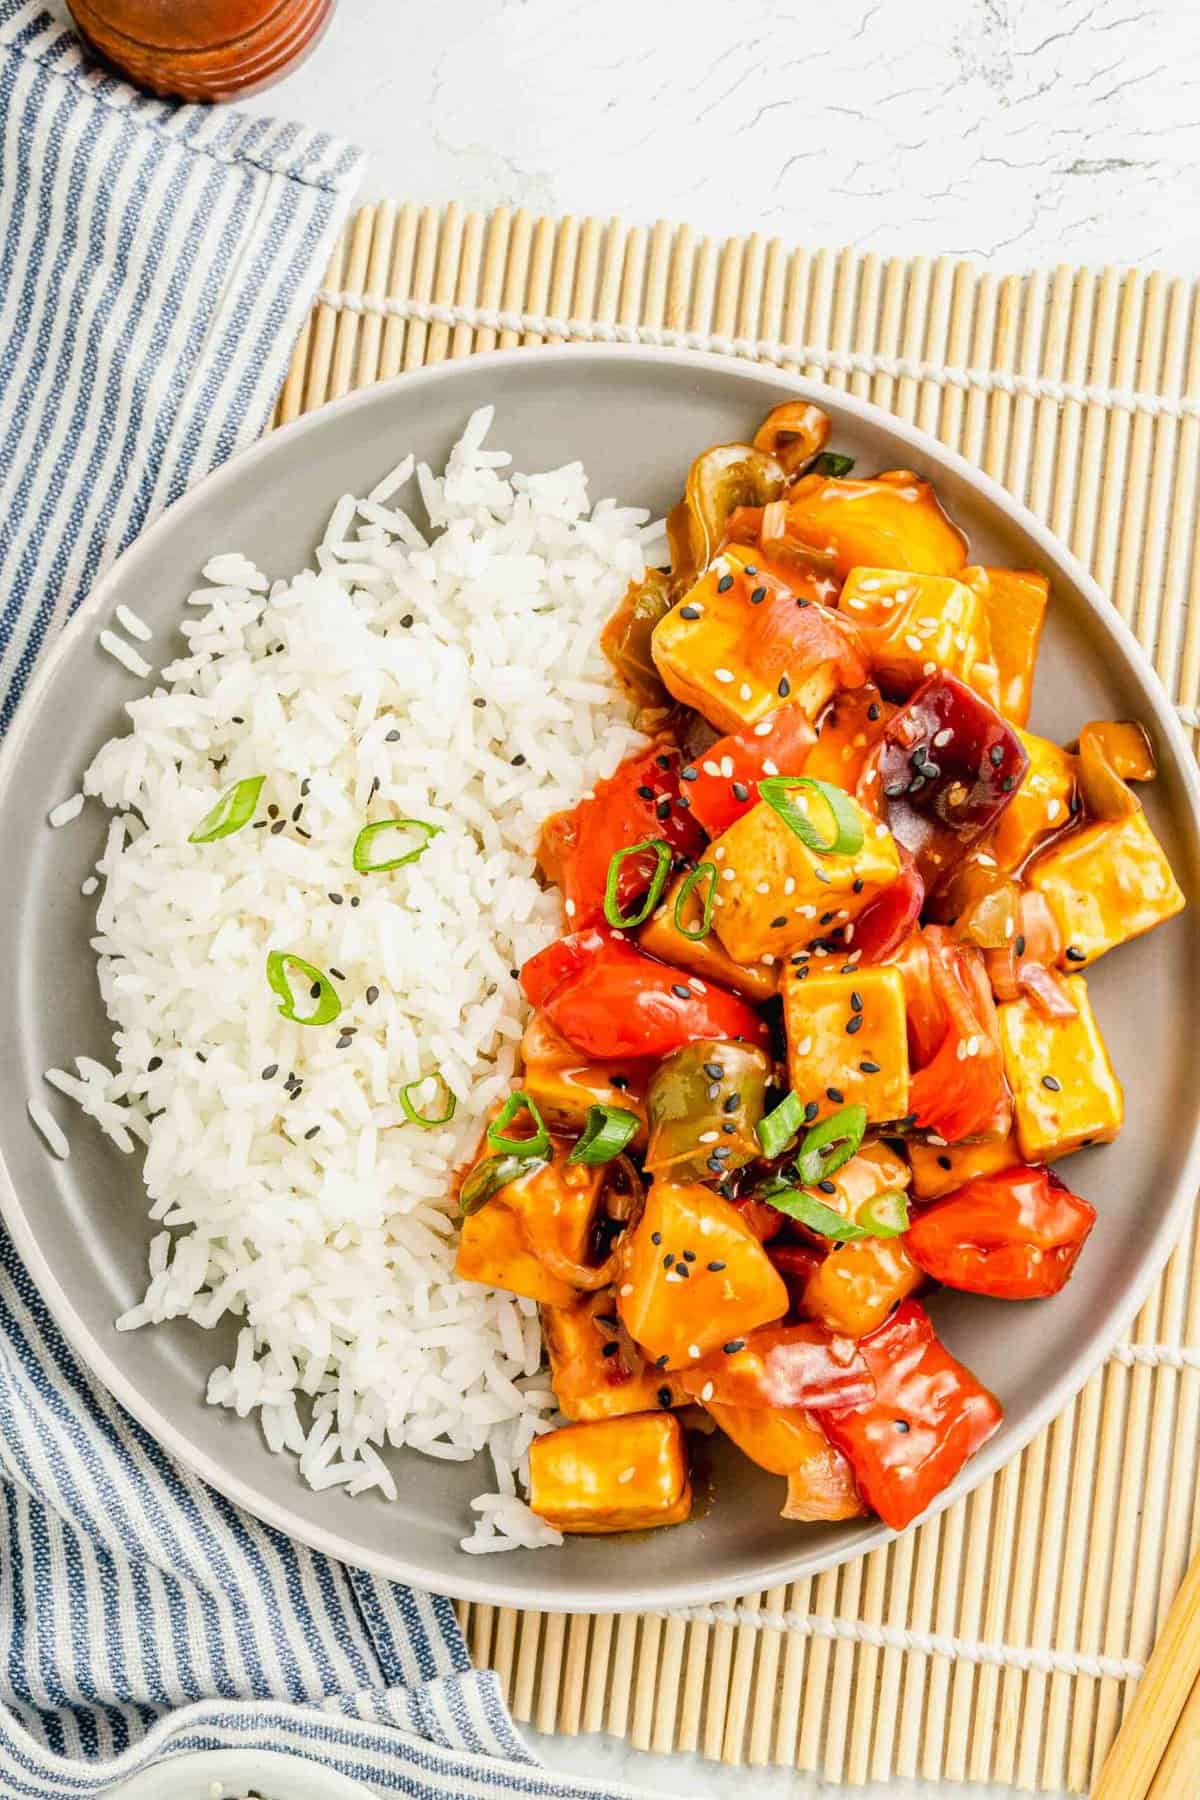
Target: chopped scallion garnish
[
  {"x": 832, "y": 462},
  {"x": 831, "y": 1143},
  {"x": 662, "y": 868},
  {"x": 537, "y": 1145},
  {"x": 886, "y": 1215},
  {"x": 281, "y": 965},
  {"x": 606, "y": 1131},
  {"x": 366, "y": 864},
  {"x": 684, "y": 895},
  {"x": 492, "y": 1174},
  {"x": 777, "y": 1132},
  {"x": 234, "y": 809},
  {"x": 798, "y": 1204},
  {"x": 449, "y": 1102},
  {"x": 847, "y": 838}
]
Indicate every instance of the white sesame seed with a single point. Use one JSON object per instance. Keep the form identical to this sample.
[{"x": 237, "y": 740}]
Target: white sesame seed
[
  {"x": 764, "y": 728},
  {"x": 789, "y": 886},
  {"x": 960, "y": 1050},
  {"x": 804, "y": 1047},
  {"x": 1053, "y": 810},
  {"x": 881, "y": 830},
  {"x": 627, "y": 1474},
  {"x": 943, "y": 736},
  {"x": 972, "y": 1046},
  {"x": 913, "y": 641},
  {"x": 762, "y": 887},
  {"x": 727, "y": 874},
  {"x": 928, "y": 668},
  {"x": 727, "y": 763},
  {"x": 806, "y": 912},
  {"x": 625, "y": 1289},
  {"x": 849, "y": 932},
  {"x": 854, "y": 956},
  {"x": 769, "y": 767},
  {"x": 723, "y": 675},
  {"x": 719, "y": 853},
  {"x": 569, "y": 908},
  {"x": 989, "y": 862},
  {"x": 707, "y": 1391},
  {"x": 745, "y": 692},
  {"x": 694, "y": 1352},
  {"x": 696, "y": 986},
  {"x": 768, "y": 960},
  {"x": 710, "y": 767},
  {"x": 708, "y": 1137},
  {"x": 935, "y": 1139}
]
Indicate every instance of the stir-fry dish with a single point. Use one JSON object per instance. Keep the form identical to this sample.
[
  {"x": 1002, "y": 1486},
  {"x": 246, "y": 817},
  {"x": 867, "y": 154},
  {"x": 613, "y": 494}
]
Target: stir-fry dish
[{"x": 819, "y": 1021}]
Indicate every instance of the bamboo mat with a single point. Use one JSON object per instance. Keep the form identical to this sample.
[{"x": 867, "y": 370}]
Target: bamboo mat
[{"x": 1001, "y": 1640}]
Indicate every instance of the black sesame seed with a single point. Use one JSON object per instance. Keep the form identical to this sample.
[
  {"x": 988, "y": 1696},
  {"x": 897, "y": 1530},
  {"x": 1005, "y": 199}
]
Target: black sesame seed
[
  {"x": 236, "y": 719},
  {"x": 337, "y": 899},
  {"x": 802, "y": 604},
  {"x": 733, "y": 1346},
  {"x": 848, "y": 969},
  {"x": 1008, "y": 784},
  {"x": 1050, "y": 1081},
  {"x": 343, "y": 1043},
  {"x": 260, "y": 824},
  {"x": 660, "y": 1362},
  {"x": 689, "y": 1256},
  {"x": 721, "y": 1153},
  {"x": 714, "y": 1070},
  {"x": 1074, "y": 954},
  {"x": 855, "y": 1001},
  {"x": 784, "y": 688},
  {"x": 609, "y": 1349},
  {"x": 827, "y": 1187},
  {"x": 729, "y": 1129},
  {"x": 156, "y": 1063},
  {"x": 714, "y": 1268},
  {"x": 278, "y": 826},
  {"x": 656, "y": 1237},
  {"x": 740, "y": 790},
  {"x": 996, "y": 754},
  {"x": 751, "y": 569},
  {"x": 683, "y": 803},
  {"x": 689, "y": 774},
  {"x": 902, "y": 1425},
  {"x": 758, "y": 596},
  {"x": 668, "y": 1259},
  {"x": 725, "y": 583},
  {"x": 811, "y": 1111},
  {"x": 869, "y": 1068},
  {"x": 393, "y": 737},
  {"x": 305, "y": 787},
  {"x": 620, "y": 1082},
  {"x": 714, "y": 1163},
  {"x": 873, "y": 711},
  {"x": 406, "y": 621},
  {"x": 854, "y": 1024},
  {"x": 296, "y": 811},
  {"x": 826, "y": 918},
  {"x": 894, "y": 789},
  {"x": 1019, "y": 943},
  {"x": 732, "y": 1103},
  {"x": 689, "y": 612},
  {"x": 372, "y": 994},
  {"x": 354, "y": 899},
  {"x": 834, "y": 1094},
  {"x": 307, "y": 836},
  {"x": 682, "y": 1270},
  {"x": 645, "y": 793},
  {"x": 907, "y": 1122},
  {"x": 664, "y": 762},
  {"x": 336, "y": 973},
  {"x": 518, "y": 761},
  {"x": 315, "y": 990},
  {"x": 683, "y": 993},
  {"x": 856, "y": 886},
  {"x": 664, "y": 1396},
  {"x": 375, "y": 786},
  {"x": 779, "y": 923},
  {"x": 479, "y": 701},
  {"x": 311, "y": 1133},
  {"x": 272, "y": 812},
  {"x": 944, "y": 1162},
  {"x": 663, "y": 807}
]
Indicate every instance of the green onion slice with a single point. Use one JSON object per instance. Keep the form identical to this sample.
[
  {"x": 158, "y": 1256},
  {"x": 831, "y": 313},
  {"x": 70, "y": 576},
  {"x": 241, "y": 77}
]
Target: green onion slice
[
  {"x": 798, "y": 1204},
  {"x": 281, "y": 964},
  {"x": 662, "y": 868},
  {"x": 886, "y": 1215},
  {"x": 606, "y": 1131},
  {"x": 847, "y": 838},
  {"x": 684, "y": 895},
  {"x": 492, "y": 1174},
  {"x": 832, "y": 462},
  {"x": 777, "y": 1132},
  {"x": 830, "y": 1143},
  {"x": 449, "y": 1102},
  {"x": 366, "y": 864},
  {"x": 537, "y": 1145},
  {"x": 234, "y": 809}
]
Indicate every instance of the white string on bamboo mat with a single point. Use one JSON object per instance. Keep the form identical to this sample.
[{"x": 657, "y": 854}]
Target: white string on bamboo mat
[
  {"x": 928, "y": 1643},
  {"x": 770, "y": 350}
]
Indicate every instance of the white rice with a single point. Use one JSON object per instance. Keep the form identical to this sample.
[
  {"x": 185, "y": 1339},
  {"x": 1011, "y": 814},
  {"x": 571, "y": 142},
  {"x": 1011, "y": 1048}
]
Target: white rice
[
  {"x": 134, "y": 624},
  {"x": 65, "y": 811},
  {"x": 124, "y": 653},
  {"x": 464, "y": 678},
  {"x": 50, "y": 1129}
]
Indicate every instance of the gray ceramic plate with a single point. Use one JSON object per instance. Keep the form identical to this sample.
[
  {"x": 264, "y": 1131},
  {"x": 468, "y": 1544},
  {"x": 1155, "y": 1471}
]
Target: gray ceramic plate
[{"x": 636, "y": 418}]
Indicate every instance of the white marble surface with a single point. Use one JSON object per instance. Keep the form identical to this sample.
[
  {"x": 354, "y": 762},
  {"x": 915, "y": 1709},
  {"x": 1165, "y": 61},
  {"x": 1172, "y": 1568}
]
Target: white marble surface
[{"x": 1017, "y": 132}]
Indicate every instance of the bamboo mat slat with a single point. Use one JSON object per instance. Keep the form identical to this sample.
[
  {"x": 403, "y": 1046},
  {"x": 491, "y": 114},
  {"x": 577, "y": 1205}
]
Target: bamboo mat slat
[{"x": 945, "y": 1654}]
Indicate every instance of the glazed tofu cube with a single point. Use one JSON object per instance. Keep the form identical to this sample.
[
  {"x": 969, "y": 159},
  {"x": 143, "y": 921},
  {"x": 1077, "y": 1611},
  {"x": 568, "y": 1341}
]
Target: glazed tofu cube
[
  {"x": 893, "y": 521},
  {"x": 596, "y": 1374},
  {"x": 1016, "y": 601},
  {"x": 1065, "y": 1093},
  {"x": 913, "y": 625},
  {"x": 564, "y": 1086},
  {"x": 1105, "y": 884},
  {"x": 847, "y": 1036},
  {"x": 938, "y": 1169},
  {"x": 738, "y": 643},
  {"x": 611, "y": 1474},
  {"x": 660, "y": 936},
  {"x": 1041, "y": 805},
  {"x": 558, "y": 1200},
  {"x": 855, "y": 1287},
  {"x": 775, "y": 894}
]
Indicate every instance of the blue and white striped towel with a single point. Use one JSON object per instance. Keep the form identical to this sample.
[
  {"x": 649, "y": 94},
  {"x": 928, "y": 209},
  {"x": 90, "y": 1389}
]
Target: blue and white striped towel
[{"x": 156, "y": 264}]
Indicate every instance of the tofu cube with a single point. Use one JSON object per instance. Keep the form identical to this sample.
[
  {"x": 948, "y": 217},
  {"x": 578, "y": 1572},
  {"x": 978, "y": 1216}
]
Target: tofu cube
[
  {"x": 661, "y": 937},
  {"x": 494, "y": 1247},
  {"x": 594, "y": 1372},
  {"x": 847, "y": 1035},
  {"x": 611, "y": 1474},
  {"x": 1065, "y": 1092},
  {"x": 775, "y": 894},
  {"x": 1041, "y": 805},
  {"x": 914, "y": 624},
  {"x": 1016, "y": 601},
  {"x": 1106, "y": 884},
  {"x": 855, "y": 1287},
  {"x": 938, "y": 1169},
  {"x": 734, "y": 659}
]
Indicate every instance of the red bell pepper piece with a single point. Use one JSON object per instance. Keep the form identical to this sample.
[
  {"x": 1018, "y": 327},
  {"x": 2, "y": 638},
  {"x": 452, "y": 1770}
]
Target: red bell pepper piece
[
  {"x": 613, "y": 1002},
  {"x": 640, "y": 800},
  {"x": 882, "y": 927},
  {"x": 961, "y": 1092},
  {"x": 928, "y": 1415},
  {"x": 764, "y": 1221},
  {"x": 783, "y": 1365},
  {"x": 723, "y": 783},
  {"x": 1014, "y": 1235}
]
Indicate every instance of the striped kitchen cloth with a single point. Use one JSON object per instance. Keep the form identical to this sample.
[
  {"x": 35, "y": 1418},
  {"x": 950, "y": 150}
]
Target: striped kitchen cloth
[{"x": 156, "y": 264}]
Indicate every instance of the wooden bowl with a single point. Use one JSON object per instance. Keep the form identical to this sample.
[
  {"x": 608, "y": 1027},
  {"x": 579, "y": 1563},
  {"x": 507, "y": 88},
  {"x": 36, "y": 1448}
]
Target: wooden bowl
[{"x": 201, "y": 49}]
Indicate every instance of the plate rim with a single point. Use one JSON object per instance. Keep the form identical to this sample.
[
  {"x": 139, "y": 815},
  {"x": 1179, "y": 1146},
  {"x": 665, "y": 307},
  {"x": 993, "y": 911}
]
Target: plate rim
[{"x": 495, "y": 1590}]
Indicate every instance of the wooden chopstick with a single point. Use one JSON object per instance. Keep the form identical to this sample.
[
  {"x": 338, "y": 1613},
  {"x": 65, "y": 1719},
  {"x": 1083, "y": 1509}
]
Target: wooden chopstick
[{"x": 1155, "y": 1754}]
